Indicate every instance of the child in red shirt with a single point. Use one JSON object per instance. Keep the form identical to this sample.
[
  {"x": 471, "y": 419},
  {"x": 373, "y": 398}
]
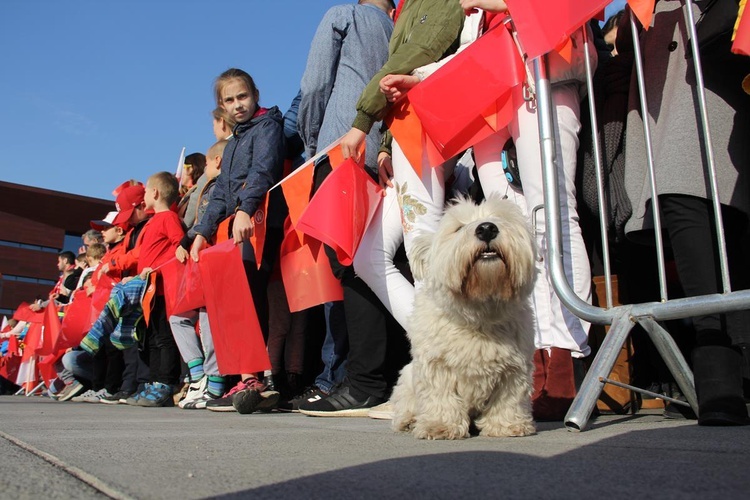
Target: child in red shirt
[{"x": 159, "y": 239}]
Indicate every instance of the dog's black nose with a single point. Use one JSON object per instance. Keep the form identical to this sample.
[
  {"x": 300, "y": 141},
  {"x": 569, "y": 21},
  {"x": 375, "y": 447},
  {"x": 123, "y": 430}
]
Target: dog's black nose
[{"x": 486, "y": 231}]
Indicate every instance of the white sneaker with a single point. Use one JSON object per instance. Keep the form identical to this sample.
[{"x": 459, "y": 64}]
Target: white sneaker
[
  {"x": 196, "y": 391},
  {"x": 86, "y": 397},
  {"x": 383, "y": 411},
  {"x": 100, "y": 394}
]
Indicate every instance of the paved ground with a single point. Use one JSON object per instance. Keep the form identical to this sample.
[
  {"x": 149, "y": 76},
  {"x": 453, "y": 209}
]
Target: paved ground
[{"x": 170, "y": 453}]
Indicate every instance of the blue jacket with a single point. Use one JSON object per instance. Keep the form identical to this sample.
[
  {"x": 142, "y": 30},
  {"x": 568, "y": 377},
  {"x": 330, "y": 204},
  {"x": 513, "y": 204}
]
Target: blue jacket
[{"x": 252, "y": 163}]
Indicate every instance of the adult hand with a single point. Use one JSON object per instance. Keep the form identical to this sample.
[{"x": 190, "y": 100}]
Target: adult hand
[
  {"x": 385, "y": 170},
  {"x": 396, "y": 86},
  {"x": 181, "y": 254},
  {"x": 243, "y": 227},
  {"x": 198, "y": 244},
  {"x": 350, "y": 144},
  {"x": 35, "y": 307},
  {"x": 470, "y": 6}
]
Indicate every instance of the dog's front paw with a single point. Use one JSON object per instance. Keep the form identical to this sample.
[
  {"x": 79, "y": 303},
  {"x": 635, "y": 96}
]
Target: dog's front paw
[
  {"x": 518, "y": 429},
  {"x": 440, "y": 430},
  {"x": 402, "y": 423}
]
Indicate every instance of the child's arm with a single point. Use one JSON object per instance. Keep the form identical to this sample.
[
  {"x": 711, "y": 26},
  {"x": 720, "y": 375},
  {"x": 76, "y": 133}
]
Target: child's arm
[{"x": 426, "y": 44}]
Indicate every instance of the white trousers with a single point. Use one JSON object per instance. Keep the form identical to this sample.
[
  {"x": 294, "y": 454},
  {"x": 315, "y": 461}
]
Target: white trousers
[
  {"x": 416, "y": 202},
  {"x": 555, "y": 325}
]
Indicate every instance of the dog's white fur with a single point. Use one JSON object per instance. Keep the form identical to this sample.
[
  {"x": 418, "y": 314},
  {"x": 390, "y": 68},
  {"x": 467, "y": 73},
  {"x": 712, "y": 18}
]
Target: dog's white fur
[{"x": 471, "y": 330}]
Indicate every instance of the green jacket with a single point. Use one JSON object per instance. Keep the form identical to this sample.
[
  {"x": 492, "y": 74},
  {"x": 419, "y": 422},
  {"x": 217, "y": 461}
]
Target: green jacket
[{"x": 426, "y": 31}]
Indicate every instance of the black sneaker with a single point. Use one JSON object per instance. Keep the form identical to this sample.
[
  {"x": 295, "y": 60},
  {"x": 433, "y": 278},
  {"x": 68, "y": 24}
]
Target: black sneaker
[
  {"x": 309, "y": 395},
  {"x": 340, "y": 403},
  {"x": 256, "y": 396},
  {"x": 117, "y": 398}
]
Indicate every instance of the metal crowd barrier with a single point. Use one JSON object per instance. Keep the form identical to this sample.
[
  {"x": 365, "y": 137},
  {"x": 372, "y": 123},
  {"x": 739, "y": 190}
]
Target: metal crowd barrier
[{"x": 623, "y": 318}]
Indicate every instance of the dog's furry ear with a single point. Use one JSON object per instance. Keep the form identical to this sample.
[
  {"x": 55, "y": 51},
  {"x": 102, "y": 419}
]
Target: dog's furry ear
[{"x": 419, "y": 255}]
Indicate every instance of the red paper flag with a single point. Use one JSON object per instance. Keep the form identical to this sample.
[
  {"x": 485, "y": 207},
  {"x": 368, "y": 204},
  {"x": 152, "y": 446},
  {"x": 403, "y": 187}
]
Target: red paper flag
[
  {"x": 238, "y": 340},
  {"x": 46, "y": 366},
  {"x": 9, "y": 365},
  {"x": 741, "y": 43},
  {"x": 643, "y": 10},
  {"x": 100, "y": 297},
  {"x": 32, "y": 340},
  {"x": 297, "y": 188},
  {"x": 76, "y": 322},
  {"x": 306, "y": 272},
  {"x": 186, "y": 293},
  {"x": 258, "y": 238},
  {"x": 341, "y": 210},
  {"x": 451, "y": 107},
  {"x": 13, "y": 345},
  {"x": 50, "y": 331},
  {"x": 24, "y": 313},
  {"x": 543, "y": 25},
  {"x": 407, "y": 130},
  {"x": 147, "y": 300}
]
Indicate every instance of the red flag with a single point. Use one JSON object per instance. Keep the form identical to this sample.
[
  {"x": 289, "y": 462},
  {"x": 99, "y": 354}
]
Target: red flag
[
  {"x": 186, "y": 292},
  {"x": 238, "y": 340},
  {"x": 13, "y": 345},
  {"x": 147, "y": 299},
  {"x": 341, "y": 210},
  {"x": 298, "y": 185},
  {"x": 306, "y": 272},
  {"x": 100, "y": 297},
  {"x": 9, "y": 365},
  {"x": 643, "y": 10},
  {"x": 741, "y": 43},
  {"x": 224, "y": 231},
  {"x": 76, "y": 322},
  {"x": 32, "y": 340},
  {"x": 258, "y": 238},
  {"x": 297, "y": 188},
  {"x": 24, "y": 313},
  {"x": 50, "y": 331},
  {"x": 452, "y": 108},
  {"x": 543, "y": 25},
  {"x": 46, "y": 366}
]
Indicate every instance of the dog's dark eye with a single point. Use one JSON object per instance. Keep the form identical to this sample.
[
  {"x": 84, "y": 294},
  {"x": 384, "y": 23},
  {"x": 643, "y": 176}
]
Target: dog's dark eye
[{"x": 457, "y": 229}]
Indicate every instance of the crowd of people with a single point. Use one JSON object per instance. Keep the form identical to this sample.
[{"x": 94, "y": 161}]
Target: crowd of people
[{"x": 364, "y": 58}]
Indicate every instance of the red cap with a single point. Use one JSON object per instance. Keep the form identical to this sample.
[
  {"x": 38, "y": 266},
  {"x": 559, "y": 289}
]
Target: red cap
[
  {"x": 129, "y": 198},
  {"x": 107, "y": 222}
]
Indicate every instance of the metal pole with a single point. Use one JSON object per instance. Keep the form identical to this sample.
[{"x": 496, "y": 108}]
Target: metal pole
[
  {"x": 599, "y": 171},
  {"x": 650, "y": 156},
  {"x": 701, "y": 88},
  {"x": 559, "y": 280},
  {"x": 583, "y": 405}
]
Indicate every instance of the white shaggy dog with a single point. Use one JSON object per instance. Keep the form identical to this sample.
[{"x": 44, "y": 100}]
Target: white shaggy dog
[{"x": 471, "y": 331}]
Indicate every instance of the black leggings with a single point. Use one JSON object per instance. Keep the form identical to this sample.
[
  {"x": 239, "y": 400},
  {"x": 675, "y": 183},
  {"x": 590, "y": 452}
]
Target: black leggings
[{"x": 689, "y": 222}]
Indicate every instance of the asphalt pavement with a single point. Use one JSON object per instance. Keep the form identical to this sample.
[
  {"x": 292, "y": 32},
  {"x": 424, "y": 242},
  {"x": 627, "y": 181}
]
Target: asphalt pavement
[{"x": 77, "y": 450}]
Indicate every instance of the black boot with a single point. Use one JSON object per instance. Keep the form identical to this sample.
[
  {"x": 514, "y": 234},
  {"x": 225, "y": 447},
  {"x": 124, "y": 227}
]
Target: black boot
[{"x": 718, "y": 385}]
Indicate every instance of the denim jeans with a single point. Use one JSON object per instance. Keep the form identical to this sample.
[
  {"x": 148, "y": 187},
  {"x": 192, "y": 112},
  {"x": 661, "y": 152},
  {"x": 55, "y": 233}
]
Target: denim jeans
[
  {"x": 335, "y": 347},
  {"x": 79, "y": 364}
]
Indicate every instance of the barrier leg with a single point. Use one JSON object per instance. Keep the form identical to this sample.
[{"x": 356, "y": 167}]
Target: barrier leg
[
  {"x": 673, "y": 358},
  {"x": 583, "y": 405},
  {"x": 32, "y": 391}
]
